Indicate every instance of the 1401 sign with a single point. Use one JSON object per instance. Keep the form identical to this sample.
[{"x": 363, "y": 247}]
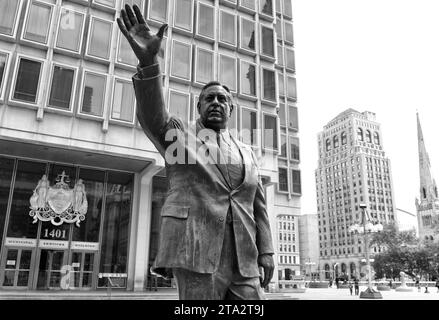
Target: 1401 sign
[{"x": 54, "y": 234}]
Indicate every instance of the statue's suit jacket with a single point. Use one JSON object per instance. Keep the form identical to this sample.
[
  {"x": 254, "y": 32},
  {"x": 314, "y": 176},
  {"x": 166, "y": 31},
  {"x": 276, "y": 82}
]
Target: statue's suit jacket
[{"x": 200, "y": 193}]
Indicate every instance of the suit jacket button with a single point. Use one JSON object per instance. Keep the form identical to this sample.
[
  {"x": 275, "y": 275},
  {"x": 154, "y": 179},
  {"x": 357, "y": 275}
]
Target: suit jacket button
[{"x": 221, "y": 219}]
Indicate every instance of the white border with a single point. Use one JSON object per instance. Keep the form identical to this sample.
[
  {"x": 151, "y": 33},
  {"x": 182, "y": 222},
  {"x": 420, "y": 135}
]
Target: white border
[
  {"x": 263, "y": 131},
  {"x": 120, "y": 38},
  {"x": 49, "y": 25},
  {"x": 234, "y": 90},
  {"x": 281, "y": 74},
  {"x": 213, "y": 64},
  {"x": 121, "y": 121},
  {"x": 188, "y": 103},
  {"x": 285, "y": 14},
  {"x": 287, "y": 93},
  {"x": 235, "y": 30},
  {"x": 255, "y": 97},
  {"x": 5, "y": 74},
  {"x": 285, "y": 33},
  {"x": 244, "y": 8},
  {"x": 110, "y": 37},
  {"x": 289, "y": 68},
  {"x": 81, "y": 94},
  {"x": 97, "y": 4},
  {"x": 179, "y": 28},
  {"x": 172, "y": 61},
  {"x": 142, "y": 6},
  {"x": 73, "y": 89},
  {"x": 285, "y": 114},
  {"x": 81, "y": 31},
  {"x": 214, "y": 25},
  {"x": 274, "y": 43},
  {"x": 153, "y": 20},
  {"x": 14, "y": 80},
  {"x": 256, "y": 136},
  {"x": 15, "y": 23},
  {"x": 276, "y": 98},
  {"x": 246, "y": 50}
]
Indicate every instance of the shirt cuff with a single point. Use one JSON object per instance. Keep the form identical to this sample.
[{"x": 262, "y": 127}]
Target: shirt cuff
[{"x": 148, "y": 72}]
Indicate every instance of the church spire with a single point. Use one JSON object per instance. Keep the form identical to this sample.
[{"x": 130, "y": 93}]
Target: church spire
[{"x": 428, "y": 187}]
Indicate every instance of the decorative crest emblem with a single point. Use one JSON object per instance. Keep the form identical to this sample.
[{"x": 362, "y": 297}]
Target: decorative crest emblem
[{"x": 58, "y": 204}]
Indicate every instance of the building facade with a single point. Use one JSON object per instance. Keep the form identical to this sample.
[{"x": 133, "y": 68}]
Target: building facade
[
  {"x": 309, "y": 245},
  {"x": 67, "y": 120},
  {"x": 353, "y": 169},
  {"x": 427, "y": 206}
]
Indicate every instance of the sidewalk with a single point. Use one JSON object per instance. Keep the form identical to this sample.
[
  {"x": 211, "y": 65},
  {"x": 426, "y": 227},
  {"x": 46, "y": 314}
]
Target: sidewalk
[{"x": 171, "y": 294}]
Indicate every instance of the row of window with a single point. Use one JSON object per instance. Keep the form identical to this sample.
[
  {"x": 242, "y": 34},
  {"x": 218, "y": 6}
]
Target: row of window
[
  {"x": 287, "y": 248},
  {"x": 287, "y": 259},
  {"x": 286, "y": 226},
  {"x": 283, "y": 185}
]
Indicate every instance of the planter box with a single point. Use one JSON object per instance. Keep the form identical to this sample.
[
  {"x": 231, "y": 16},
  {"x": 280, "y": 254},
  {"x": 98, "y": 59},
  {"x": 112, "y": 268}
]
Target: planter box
[{"x": 316, "y": 284}]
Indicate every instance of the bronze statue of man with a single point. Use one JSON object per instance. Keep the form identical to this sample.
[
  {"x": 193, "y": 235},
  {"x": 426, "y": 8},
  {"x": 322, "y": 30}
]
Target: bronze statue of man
[{"x": 215, "y": 235}]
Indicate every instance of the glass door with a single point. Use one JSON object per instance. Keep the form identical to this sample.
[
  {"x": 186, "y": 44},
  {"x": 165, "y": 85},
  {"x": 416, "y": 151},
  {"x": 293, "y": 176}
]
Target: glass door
[
  {"x": 82, "y": 267},
  {"x": 52, "y": 269},
  {"x": 15, "y": 268}
]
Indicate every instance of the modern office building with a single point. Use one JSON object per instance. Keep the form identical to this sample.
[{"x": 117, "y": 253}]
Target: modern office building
[
  {"x": 309, "y": 245},
  {"x": 67, "y": 122},
  {"x": 427, "y": 206},
  {"x": 352, "y": 169}
]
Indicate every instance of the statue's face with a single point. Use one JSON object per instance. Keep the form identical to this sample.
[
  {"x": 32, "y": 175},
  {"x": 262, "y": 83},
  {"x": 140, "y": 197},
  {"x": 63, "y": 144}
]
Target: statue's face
[{"x": 215, "y": 107}]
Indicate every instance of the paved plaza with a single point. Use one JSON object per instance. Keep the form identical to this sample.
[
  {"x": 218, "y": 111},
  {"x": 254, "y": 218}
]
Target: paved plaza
[{"x": 171, "y": 294}]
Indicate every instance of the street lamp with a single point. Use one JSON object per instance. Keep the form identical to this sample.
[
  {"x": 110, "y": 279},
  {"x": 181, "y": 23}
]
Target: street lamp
[{"x": 364, "y": 229}]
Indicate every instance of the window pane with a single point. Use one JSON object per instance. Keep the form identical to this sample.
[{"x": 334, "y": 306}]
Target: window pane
[
  {"x": 204, "y": 66},
  {"x": 93, "y": 96},
  {"x": 228, "y": 28},
  {"x": 270, "y": 132},
  {"x": 126, "y": 54},
  {"x": 8, "y": 14},
  {"x": 115, "y": 235},
  {"x": 70, "y": 30},
  {"x": 124, "y": 101},
  {"x": 280, "y": 55},
  {"x": 99, "y": 44},
  {"x": 27, "y": 177},
  {"x": 293, "y": 118},
  {"x": 181, "y": 57},
  {"x": 61, "y": 90},
  {"x": 251, "y": 4},
  {"x": 266, "y": 7},
  {"x": 179, "y": 105},
  {"x": 183, "y": 14},
  {"x": 28, "y": 76},
  {"x": 280, "y": 78},
  {"x": 227, "y": 73},
  {"x": 269, "y": 85},
  {"x": 292, "y": 88},
  {"x": 282, "y": 117},
  {"x": 248, "y": 79},
  {"x": 248, "y": 128},
  {"x": 294, "y": 147},
  {"x": 283, "y": 145},
  {"x": 283, "y": 179},
  {"x": 38, "y": 23},
  {"x": 267, "y": 41},
  {"x": 278, "y": 28},
  {"x": 158, "y": 10},
  {"x": 247, "y": 34},
  {"x": 139, "y": 3},
  {"x": 6, "y": 168},
  {"x": 288, "y": 29},
  {"x": 94, "y": 188},
  {"x": 3, "y": 60},
  {"x": 297, "y": 185},
  {"x": 288, "y": 8},
  {"x": 289, "y": 54},
  {"x": 278, "y": 6},
  {"x": 206, "y": 19},
  {"x": 108, "y": 3}
]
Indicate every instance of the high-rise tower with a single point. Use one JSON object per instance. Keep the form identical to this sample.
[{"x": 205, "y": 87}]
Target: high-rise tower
[
  {"x": 352, "y": 169},
  {"x": 427, "y": 206}
]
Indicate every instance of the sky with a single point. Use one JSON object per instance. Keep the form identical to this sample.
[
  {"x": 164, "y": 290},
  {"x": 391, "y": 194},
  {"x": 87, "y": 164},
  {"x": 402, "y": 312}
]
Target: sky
[{"x": 380, "y": 56}]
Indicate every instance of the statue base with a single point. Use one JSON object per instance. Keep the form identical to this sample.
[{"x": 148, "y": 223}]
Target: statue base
[{"x": 370, "y": 294}]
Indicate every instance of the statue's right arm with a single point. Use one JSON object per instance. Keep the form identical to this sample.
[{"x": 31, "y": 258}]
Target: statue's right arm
[{"x": 151, "y": 110}]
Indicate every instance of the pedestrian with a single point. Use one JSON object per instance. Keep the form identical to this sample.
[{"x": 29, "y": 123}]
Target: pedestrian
[
  {"x": 330, "y": 282},
  {"x": 357, "y": 287},
  {"x": 350, "y": 287},
  {"x": 390, "y": 283},
  {"x": 418, "y": 284},
  {"x": 437, "y": 285},
  {"x": 215, "y": 233},
  {"x": 337, "y": 282}
]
